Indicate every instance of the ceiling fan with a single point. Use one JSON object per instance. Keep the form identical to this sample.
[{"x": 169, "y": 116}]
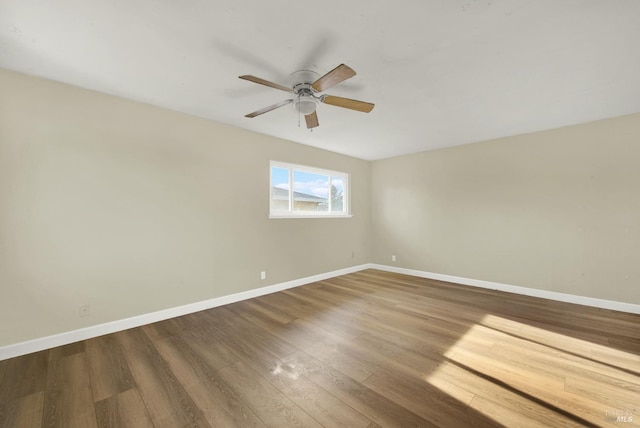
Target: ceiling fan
[{"x": 306, "y": 86}]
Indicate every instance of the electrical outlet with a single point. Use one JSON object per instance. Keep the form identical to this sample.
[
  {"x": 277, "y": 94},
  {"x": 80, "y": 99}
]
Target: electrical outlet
[
  {"x": 393, "y": 258},
  {"x": 353, "y": 254},
  {"x": 84, "y": 310},
  {"x": 263, "y": 275}
]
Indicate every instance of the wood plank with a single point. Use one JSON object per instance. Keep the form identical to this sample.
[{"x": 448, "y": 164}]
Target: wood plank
[
  {"x": 328, "y": 348},
  {"x": 425, "y": 400},
  {"x": 328, "y": 410},
  {"x": 245, "y": 338},
  {"x": 24, "y": 376},
  {"x": 125, "y": 409},
  {"x": 626, "y": 344},
  {"x": 502, "y": 370},
  {"x": 369, "y": 403},
  {"x": 386, "y": 354},
  {"x": 555, "y": 363},
  {"x": 511, "y": 415},
  {"x": 66, "y": 350},
  {"x": 271, "y": 406},
  {"x": 67, "y": 400},
  {"x": 555, "y": 400},
  {"x": 110, "y": 374},
  {"x": 220, "y": 405},
  {"x": 625, "y": 360},
  {"x": 257, "y": 315},
  {"x": 215, "y": 352},
  {"x": 289, "y": 305},
  {"x": 160, "y": 330},
  {"x": 617, "y": 395},
  {"x": 23, "y": 412},
  {"x": 266, "y": 310},
  {"x": 348, "y": 361},
  {"x": 167, "y": 402}
]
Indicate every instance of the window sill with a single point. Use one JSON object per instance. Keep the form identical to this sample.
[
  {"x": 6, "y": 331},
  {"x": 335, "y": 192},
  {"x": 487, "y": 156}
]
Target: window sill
[{"x": 280, "y": 216}]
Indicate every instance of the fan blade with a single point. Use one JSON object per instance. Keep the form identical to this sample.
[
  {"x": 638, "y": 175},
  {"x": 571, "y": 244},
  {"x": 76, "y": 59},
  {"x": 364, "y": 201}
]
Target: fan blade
[
  {"x": 268, "y": 109},
  {"x": 347, "y": 103},
  {"x": 312, "y": 120},
  {"x": 332, "y": 78},
  {"x": 260, "y": 81}
]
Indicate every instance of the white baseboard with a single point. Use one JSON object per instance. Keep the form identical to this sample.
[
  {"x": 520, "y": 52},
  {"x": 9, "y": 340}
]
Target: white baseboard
[
  {"x": 533, "y": 292},
  {"x": 65, "y": 338}
]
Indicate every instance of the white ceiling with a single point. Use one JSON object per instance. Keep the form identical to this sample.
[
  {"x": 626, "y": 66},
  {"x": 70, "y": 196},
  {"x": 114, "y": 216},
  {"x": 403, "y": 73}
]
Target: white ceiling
[{"x": 441, "y": 72}]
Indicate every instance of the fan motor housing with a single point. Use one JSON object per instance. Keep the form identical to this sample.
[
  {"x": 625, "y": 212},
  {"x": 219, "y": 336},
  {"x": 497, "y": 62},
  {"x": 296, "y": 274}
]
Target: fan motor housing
[{"x": 302, "y": 79}]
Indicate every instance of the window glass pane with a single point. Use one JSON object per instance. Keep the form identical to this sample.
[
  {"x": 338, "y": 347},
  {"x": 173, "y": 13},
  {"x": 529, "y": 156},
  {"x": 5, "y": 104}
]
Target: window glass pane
[
  {"x": 310, "y": 191},
  {"x": 337, "y": 194},
  {"x": 307, "y": 191},
  {"x": 279, "y": 189}
]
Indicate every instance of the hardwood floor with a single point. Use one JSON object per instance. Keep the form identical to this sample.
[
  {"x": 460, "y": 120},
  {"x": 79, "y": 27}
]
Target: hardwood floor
[{"x": 367, "y": 349}]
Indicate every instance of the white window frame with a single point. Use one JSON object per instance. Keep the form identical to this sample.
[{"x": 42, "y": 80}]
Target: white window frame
[{"x": 310, "y": 214}]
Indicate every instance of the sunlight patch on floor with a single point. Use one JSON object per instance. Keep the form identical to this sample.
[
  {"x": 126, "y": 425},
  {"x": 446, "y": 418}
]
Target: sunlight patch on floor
[
  {"x": 502, "y": 367},
  {"x": 563, "y": 343}
]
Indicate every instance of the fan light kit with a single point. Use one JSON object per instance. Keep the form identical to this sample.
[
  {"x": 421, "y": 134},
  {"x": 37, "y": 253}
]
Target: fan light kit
[
  {"x": 305, "y": 104},
  {"x": 305, "y": 86}
]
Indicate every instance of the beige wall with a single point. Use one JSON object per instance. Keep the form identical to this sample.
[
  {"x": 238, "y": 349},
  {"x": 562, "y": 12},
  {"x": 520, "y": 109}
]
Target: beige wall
[
  {"x": 556, "y": 210},
  {"x": 134, "y": 209}
]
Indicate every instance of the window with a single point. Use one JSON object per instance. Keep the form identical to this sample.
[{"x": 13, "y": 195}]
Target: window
[{"x": 303, "y": 191}]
